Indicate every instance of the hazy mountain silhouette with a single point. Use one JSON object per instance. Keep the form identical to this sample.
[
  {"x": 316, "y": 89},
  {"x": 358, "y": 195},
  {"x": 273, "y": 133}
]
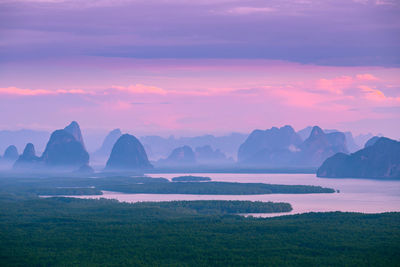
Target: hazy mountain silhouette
[
  {"x": 181, "y": 156},
  {"x": 362, "y": 139},
  {"x": 108, "y": 143},
  {"x": 128, "y": 154},
  {"x": 272, "y": 147},
  {"x": 283, "y": 147},
  {"x": 160, "y": 147},
  {"x": 351, "y": 144},
  {"x": 28, "y": 160},
  {"x": 74, "y": 129},
  {"x": 9, "y": 157},
  {"x": 64, "y": 151},
  {"x": 319, "y": 146},
  {"x": 379, "y": 160},
  {"x": 21, "y": 137},
  {"x": 207, "y": 156},
  {"x": 305, "y": 133},
  {"x": 85, "y": 169},
  {"x": 11, "y": 154},
  {"x": 371, "y": 141}
]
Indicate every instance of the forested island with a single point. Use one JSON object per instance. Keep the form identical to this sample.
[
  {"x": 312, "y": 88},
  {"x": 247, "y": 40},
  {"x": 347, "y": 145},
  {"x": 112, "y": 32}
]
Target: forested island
[
  {"x": 190, "y": 178},
  {"x": 215, "y": 188},
  {"x": 65, "y": 185}
]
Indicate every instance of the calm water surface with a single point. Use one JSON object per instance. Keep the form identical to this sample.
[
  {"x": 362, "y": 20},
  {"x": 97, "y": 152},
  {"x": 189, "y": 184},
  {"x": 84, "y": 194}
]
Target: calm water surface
[{"x": 356, "y": 195}]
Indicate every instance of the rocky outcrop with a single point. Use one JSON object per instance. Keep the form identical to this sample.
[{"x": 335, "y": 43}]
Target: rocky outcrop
[
  {"x": 109, "y": 142},
  {"x": 10, "y": 154},
  {"x": 270, "y": 147},
  {"x": 351, "y": 143},
  {"x": 128, "y": 154},
  {"x": 20, "y": 138},
  {"x": 85, "y": 169},
  {"x": 64, "y": 151},
  {"x": 159, "y": 147},
  {"x": 305, "y": 132},
  {"x": 380, "y": 160},
  {"x": 371, "y": 141},
  {"x": 28, "y": 159},
  {"x": 207, "y": 156},
  {"x": 74, "y": 129},
  {"x": 181, "y": 156},
  {"x": 319, "y": 146},
  {"x": 361, "y": 139},
  {"x": 283, "y": 147}
]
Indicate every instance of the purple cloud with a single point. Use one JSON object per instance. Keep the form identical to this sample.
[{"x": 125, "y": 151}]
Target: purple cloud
[{"x": 331, "y": 32}]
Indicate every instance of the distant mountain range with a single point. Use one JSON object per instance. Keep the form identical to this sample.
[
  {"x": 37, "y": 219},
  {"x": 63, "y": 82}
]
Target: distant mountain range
[
  {"x": 283, "y": 147},
  {"x": 20, "y": 138},
  {"x": 159, "y": 147},
  {"x": 28, "y": 160},
  {"x": 64, "y": 151},
  {"x": 353, "y": 143},
  {"x": 204, "y": 155},
  {"x": 102, "y": 154},
  {"x": 263, "y": 149}
]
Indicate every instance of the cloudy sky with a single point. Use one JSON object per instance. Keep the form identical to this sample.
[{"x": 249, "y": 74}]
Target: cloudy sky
[{"x": 205, "y": 66}]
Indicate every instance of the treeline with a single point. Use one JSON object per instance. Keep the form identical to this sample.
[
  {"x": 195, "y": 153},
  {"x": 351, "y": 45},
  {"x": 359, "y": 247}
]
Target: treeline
[
  {"x": 221, "y": 206},
  {"x": 66, "y": 191},
  {"x": 190, "y": 178},
  {"x": 144, "y": 185},
  {"x": 215, "y": 188},
  {"x": 67, "y": 185}
]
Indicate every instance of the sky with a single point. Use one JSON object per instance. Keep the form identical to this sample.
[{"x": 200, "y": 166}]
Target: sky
[{"x": 188, "y": 67}]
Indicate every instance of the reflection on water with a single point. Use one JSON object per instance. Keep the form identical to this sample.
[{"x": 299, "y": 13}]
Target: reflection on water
[{"x": 356, "y": 195}]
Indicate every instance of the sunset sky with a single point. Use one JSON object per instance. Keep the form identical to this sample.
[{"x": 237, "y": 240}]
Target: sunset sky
[{"x": 189, "y": 67}]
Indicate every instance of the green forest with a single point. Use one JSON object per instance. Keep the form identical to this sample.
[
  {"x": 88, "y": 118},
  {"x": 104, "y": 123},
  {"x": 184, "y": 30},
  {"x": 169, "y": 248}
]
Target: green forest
[
  {"x": 61, "y": 231},
  {"x": 220, "y": 206},
  {"x": 190, "y": 178},
  {"x": 67, "y": 231},
  {"x": 71, "y": 185}
]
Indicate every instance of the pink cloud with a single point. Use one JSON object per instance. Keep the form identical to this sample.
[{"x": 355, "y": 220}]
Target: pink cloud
[
  {"x": 336, "y": 85},
  {"x": 377, "y": 95},
  {"x": 205, "y": 97},
  {"x": 140, "y": 89},
  {"x": 22, "y": 92},
  {"x": 35, "y": 92},
  {"x": 366, "y": 77},
  {"x": 296, "y": 97},
  {"x": 245, "y": 10}
]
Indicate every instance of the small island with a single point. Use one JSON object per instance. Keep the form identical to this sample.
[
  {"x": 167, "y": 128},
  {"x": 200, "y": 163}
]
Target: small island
[{"x": 190, "y": 178}]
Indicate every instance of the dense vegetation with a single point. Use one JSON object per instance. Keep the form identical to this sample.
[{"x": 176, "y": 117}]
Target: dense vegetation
[
  {"x": 144, "y": 185},
  {"x": 215, "y": 188},
  {"x": 67, "y": 232},
  {"x": 230, "y": 169},
  {"x": 190, "y": 178},
  {"x": 71, "y": 185},
  {"x": 220, "y": 206}
]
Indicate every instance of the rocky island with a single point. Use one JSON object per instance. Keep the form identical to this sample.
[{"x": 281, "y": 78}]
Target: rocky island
[
  {"x": 128, "y": 154},
  {"x": 380, "y": 160}
]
